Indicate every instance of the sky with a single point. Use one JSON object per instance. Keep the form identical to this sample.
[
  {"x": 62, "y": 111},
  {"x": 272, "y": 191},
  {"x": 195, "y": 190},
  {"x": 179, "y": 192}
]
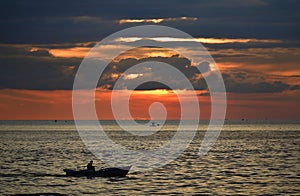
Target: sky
[{"x": 255, "y": 45}]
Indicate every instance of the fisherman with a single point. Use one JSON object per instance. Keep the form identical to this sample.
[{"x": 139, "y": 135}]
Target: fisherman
[{"x": 90, "y": 166}]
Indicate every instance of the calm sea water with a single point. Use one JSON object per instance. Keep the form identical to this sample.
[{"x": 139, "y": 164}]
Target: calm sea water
[{"x": 252, "y": 158}]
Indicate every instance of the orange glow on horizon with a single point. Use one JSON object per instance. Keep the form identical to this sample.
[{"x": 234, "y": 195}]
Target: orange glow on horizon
[
  {"x": 57, "y": 105},
  {"x": 153, "y": 92}
]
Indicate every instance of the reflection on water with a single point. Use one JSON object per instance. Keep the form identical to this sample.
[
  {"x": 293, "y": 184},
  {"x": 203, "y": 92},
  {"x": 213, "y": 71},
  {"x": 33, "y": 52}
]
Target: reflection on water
[{"x": 249, "y": 158}]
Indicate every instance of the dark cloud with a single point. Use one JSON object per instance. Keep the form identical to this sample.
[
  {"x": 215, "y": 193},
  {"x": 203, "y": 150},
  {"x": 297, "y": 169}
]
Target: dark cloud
[
  {"x": 238, "y": 46},
  {"x": 261, "y": 87},
  {"x": 182, "y": 64},
  {"x": 251, "y": 82},
  {"x": 295, "y": 87},
  {"x": 152, "y": 86},
  {"x": 204, "y": 94},
  {"x": 36, "y": 70}
]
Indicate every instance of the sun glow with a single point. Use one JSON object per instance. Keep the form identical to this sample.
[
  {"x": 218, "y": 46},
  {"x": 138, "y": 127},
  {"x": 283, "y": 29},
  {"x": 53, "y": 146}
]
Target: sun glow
[{"x": 154, "y": 92}]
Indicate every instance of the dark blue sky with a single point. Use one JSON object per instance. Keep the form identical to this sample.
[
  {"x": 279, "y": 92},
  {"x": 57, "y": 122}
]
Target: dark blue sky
[{"x": 54, "y": 21}]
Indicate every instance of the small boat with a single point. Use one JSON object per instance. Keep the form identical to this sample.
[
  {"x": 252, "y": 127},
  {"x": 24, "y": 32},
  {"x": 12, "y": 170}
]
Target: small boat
[
  {"x": 154, "y": 124},
  {"x": 106, "y": 172}
]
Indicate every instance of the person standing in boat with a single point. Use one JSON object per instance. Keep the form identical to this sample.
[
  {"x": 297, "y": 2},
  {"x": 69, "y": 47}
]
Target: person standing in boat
[{"x": 90, "y": 166}]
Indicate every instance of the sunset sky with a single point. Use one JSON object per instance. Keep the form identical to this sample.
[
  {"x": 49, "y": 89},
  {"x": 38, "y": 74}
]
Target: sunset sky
[{"x": 255, "y": 44}]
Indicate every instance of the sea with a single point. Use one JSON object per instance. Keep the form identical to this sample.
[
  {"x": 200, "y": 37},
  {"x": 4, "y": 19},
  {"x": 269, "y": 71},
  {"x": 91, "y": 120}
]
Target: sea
[{"x": 248, "y": 158}]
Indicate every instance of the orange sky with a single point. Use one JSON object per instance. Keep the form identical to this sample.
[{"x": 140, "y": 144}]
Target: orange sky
[{"x": 51, "y": 105}]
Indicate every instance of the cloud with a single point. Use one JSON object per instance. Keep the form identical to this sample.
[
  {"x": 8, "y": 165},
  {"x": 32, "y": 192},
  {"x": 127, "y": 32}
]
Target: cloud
[
  {"x": 199, "y": 39},
  {"x": 93, "y": 19},
  {"x": 38, "y": 67},
  {"x": 157, "y": 20},
  {"x": 153, "y": 86},
  {"x": 252, "y": 82},
  {"x": 78, "y": 52},
  {"x": 272, "y": 61},
  {"x": 295, "y": 87},
  {"x": 24, "y": 68},
  {"x": 115, "y": 71},
  {"x": 261, "y": 87}
]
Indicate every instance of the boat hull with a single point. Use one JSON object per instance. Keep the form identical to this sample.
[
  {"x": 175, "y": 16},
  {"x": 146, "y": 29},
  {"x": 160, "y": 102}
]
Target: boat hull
[{"x": 107, "y": 172}]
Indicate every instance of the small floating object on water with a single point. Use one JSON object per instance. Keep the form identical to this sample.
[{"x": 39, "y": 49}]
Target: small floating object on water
[
  {"x": 154, "y": 124},
  {"x": 106, "y": 172}
]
